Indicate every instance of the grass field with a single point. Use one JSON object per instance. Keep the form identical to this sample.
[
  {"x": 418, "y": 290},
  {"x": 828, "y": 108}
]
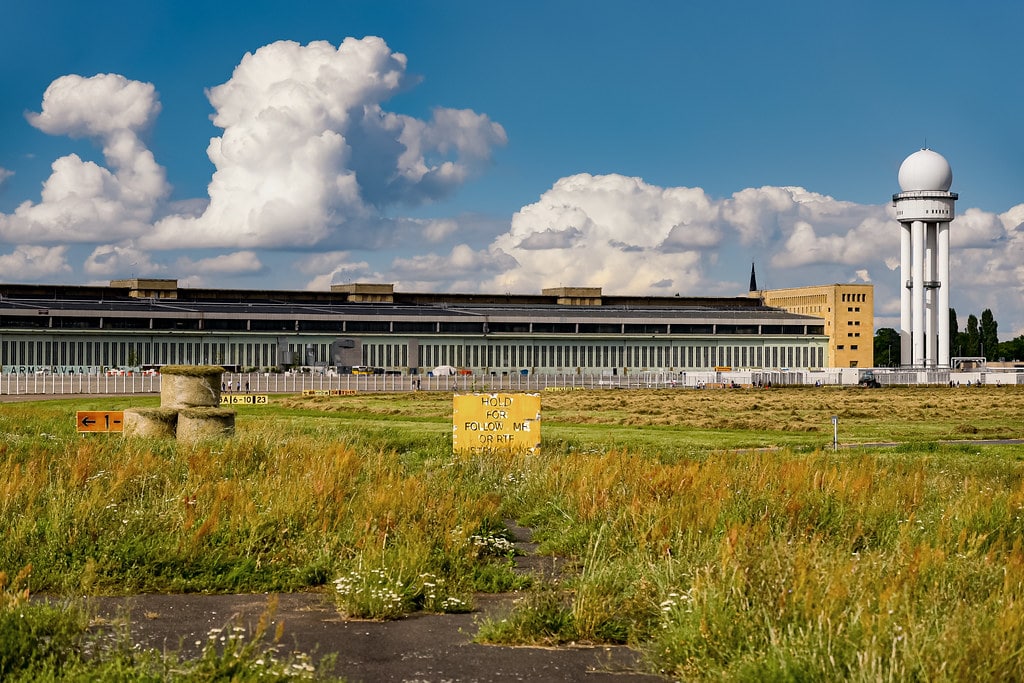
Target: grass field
[{"x": 715, "y": 530}]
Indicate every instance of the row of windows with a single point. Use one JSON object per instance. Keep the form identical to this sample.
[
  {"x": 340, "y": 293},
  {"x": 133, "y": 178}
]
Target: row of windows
[
  {"x": 390, "y": 327},
  {"x": 792, "y": 302},
  {"x": 518, "y": 356},
  {"x": 69, "y": 355},
  {"x": 72, "y": 354},
  {"x": 855, "y": 297}
]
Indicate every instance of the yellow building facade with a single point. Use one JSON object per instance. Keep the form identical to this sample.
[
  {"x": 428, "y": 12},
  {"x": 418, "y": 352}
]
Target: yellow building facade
[{"x": 848, "y": 312}]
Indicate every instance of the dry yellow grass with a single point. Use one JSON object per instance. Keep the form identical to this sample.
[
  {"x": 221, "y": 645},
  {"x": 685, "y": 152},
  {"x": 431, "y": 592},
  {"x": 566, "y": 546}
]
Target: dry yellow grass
[
  {"x": 988, "y": 411},
  {"x": 865, "y": 415}
]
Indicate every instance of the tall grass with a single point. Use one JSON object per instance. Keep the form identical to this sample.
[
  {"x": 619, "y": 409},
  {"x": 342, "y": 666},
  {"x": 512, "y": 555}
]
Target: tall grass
[
  {"x": 274, "y": 509},
  {"x": 718, "y": 561},
  {"x": 781, "y": 566}
]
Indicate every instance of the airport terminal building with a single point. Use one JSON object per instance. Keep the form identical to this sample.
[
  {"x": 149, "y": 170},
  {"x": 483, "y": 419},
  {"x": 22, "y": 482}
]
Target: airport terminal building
[{"x": 565, "y": 330}]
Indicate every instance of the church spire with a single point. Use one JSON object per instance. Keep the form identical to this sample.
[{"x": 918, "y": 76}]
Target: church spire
[{"x": 753, "y": 278}]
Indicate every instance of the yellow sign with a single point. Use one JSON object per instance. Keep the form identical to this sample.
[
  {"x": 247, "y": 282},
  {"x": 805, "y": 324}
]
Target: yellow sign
[
  {"x": 100, "y": 420},
  {"x": 244, "y": 399},
  {"x": 483, "y": 423}
]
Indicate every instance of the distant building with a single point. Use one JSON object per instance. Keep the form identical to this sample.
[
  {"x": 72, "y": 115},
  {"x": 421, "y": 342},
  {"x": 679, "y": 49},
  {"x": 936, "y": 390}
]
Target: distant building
[
  {"x": 848, "y": 312},
  {"x": 563, "y": 330}
]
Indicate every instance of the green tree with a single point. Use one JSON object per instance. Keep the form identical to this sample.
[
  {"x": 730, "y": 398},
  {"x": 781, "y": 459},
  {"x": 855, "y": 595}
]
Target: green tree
[
  {"x": 887, "y": 348},
  {"x": 989, "y": 336},
  {"x": 1013, "y": 349},
  {"x": 954, "y": 334},
  {"x": 972, "y": 337}
]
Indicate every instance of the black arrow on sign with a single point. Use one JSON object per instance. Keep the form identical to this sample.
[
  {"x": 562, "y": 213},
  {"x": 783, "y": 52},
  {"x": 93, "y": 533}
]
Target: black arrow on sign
[{"x": 86, "y": 421}]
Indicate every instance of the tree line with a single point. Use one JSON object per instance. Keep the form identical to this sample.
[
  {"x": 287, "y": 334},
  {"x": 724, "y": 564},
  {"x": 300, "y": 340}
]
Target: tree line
[{"x": 978, "y": 339}]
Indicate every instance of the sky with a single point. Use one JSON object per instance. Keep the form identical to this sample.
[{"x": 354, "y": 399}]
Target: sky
[{"x": 643, "y": 147}]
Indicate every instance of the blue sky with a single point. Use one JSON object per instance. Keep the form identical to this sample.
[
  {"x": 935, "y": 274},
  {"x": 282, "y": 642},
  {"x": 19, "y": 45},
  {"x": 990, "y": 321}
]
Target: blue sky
[{"x": 645, "y": 147}]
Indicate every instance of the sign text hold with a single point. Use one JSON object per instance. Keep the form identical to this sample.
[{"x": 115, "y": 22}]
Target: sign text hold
[{"x": 489, "y": 422}]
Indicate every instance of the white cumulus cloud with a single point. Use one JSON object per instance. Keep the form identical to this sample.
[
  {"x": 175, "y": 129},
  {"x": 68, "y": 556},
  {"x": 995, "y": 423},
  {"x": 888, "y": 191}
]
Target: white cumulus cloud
[
  {"x": 976, "y": 228},
  {"x": 33, "y": 262},
  {"x": 82, "y": 201},
  {"x": 236, "y": 263},
  {"x": 613, "y": 231},
  {"x": 334, "y": 267},
  {"x": 120, "y": 260},
  {"x": 627, "y": 235},
  {"x": 809, "y": 242},
  {"x": 463, "y": 269},
  {"x": 99, "y": 107},
  {"x": 309, "y": 156}
]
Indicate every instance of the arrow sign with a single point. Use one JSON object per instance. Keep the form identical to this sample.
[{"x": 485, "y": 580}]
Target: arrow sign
[{"x": 100, "y": 420}]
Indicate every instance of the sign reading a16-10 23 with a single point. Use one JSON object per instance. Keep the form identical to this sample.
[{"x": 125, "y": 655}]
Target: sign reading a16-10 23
[
  {"x": 244, "y": 399},
  {"x": 484, "y": 423}
]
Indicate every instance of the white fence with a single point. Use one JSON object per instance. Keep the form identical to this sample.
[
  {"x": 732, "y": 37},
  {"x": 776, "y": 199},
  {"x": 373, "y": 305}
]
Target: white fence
[
  {"x": 285, "y": 383},
  {"x": 294, "y": 383},
  {"x": 13, "y": 384}
]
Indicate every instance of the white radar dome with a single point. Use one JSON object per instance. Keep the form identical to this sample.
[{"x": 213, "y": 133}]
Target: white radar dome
[{"x": 925, "y": 170}]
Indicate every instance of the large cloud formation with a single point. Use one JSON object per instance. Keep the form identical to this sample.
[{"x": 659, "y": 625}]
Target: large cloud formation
[
  {"x": 308, "y": 155},
  {"x": 31, "y": 262},
  {"x": 629, "y": 236}
]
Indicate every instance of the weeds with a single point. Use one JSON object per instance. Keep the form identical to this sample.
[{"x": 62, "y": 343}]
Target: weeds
[
  {"x": 47, "y": 641},
  {"x": 33, "y": 635},
  {"x": 777, "y": 565},
  {"x": 716, "y": 560},
  {"x": 542, "y": 617},
  {"x": 381, "y": 593}
]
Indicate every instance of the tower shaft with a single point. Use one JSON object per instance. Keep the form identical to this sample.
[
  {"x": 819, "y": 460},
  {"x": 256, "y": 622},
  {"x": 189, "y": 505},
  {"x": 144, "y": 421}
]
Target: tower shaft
[{"x": 924, "y": 217}]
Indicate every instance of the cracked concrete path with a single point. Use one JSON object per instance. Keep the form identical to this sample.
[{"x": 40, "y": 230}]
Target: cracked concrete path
[{"x": 421, "y": 648}]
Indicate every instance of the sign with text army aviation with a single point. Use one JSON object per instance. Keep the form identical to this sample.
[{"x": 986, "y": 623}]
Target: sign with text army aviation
[{"x": 483, "y": 423}]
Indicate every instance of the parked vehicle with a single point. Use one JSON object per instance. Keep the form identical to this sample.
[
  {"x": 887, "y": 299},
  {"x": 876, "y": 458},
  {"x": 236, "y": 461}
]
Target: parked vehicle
[{"x": 868, "y": 380}]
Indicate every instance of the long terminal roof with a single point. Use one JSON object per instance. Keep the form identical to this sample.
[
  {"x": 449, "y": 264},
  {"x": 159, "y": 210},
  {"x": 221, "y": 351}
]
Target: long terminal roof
[{"x": 93, "y": 301}]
